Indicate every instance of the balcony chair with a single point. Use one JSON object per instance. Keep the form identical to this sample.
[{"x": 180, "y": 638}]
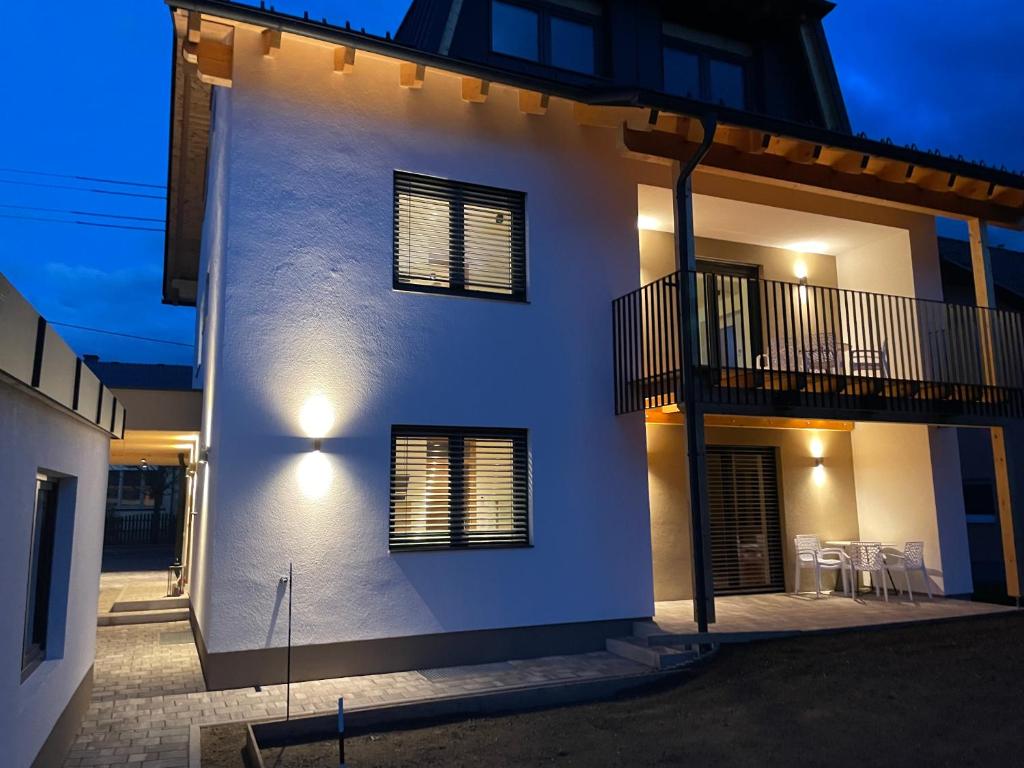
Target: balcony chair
[
  {"x": 910, "y": 559},
  {"x": 871, "y": 362},
  {"x": 810, "y": 554},
  {"x": 867, "y": 557}
]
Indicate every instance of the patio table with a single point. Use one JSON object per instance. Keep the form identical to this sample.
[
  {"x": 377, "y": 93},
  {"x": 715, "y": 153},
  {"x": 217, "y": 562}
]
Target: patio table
[{"x": 844, "y": 544}]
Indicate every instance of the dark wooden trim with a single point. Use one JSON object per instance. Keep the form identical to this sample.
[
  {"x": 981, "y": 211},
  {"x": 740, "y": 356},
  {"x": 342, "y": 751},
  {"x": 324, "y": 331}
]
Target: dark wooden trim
[
  {"x": 266, "y": 666},
  {"x": 37, "y": 360},
  {"x": 64, "y": 731}
]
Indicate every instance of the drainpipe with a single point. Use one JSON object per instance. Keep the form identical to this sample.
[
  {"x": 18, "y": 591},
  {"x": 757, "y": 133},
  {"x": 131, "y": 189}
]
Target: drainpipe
[{"x": 693, "y": 413}]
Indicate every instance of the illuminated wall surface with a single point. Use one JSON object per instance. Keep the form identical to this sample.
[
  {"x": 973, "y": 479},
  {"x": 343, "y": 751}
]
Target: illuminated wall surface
[{"x": 298, "y": 244}]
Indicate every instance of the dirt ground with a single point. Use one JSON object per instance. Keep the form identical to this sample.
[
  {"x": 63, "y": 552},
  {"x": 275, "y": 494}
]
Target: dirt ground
[{"x": 937, "y": 694}]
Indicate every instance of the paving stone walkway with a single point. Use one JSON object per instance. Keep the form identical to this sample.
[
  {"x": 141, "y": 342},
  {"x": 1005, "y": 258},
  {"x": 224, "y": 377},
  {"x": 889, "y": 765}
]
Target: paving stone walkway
[{"x": 149, "y": 691}]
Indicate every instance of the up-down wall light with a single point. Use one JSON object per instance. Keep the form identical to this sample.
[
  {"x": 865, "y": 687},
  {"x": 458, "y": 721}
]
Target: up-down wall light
[
  {"x": 316, "y": 419},
  {"x": 817, "y": 453}
]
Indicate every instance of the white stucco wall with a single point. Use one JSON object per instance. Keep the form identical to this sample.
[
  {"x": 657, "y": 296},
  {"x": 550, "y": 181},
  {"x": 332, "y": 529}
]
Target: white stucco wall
[
  {"x": 306, "y": 307},
  {"x": 37, "y": 436}
]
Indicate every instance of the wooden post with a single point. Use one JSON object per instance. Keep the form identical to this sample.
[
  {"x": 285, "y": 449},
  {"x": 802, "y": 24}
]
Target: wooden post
[
  {"x": 985, "y": 296},
  {"x": 693, "y": 414}
]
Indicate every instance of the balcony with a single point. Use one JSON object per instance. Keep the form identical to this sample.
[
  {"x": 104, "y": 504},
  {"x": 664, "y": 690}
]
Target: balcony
[{"x": 765, "y": 346}]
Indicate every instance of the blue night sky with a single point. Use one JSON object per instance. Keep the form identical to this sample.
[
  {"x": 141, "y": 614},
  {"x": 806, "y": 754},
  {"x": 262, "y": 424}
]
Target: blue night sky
[{"x": 87, "y": 95}]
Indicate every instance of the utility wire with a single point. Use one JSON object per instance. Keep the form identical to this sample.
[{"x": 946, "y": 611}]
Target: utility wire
[
  {"x": 81, "y": 189},
  {"x": 81, "y": 213},
  {"x": 118, "y": 333},
  {"x": 79, "y": 221},
  {"x": 83, "y": 178}
]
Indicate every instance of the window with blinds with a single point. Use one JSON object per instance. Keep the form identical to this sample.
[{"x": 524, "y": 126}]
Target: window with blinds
[
  {"x": 458, "y": 488},
  {"x": 457, "y": 238},
  {"x": 746, "y": 525}
]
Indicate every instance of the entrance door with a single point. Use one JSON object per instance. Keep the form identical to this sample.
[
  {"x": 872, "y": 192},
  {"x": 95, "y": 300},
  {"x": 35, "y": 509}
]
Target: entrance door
[
  {"x": 746, "y": 529},
  {"x": 729, "y": 314}
]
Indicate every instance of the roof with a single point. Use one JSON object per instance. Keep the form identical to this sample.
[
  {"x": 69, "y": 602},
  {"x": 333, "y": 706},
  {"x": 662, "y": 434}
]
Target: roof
[
  {"x": 1007, "y": 263},
  {"x": 744, "y": 142},
  {"x": 141, "y": 375}
]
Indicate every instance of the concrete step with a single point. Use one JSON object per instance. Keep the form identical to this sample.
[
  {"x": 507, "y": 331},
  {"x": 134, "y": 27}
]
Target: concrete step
[
  {"x": 652, "y": 634},
  {"x": 155, "y": 604},
  {"x": 142, "y": 617},
  {"x": 655, "y": 656}
]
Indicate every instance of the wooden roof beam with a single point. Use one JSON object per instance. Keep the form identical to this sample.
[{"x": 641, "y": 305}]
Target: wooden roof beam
[
  {"x": 843, "y": 160},
  {"x": 411, "y": 74},
  {"x": 344, "y": 58},
  {"x": 792, "y": 149},
  {"x": 270, "y": 40},
  {"x": 533, "y": 103},
  {"x": 475, "y": 90}
]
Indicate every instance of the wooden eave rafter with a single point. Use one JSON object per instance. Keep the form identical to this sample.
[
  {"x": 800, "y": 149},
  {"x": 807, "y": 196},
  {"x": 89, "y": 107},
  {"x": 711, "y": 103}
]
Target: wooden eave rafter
[{"x": 739, "y": 150}]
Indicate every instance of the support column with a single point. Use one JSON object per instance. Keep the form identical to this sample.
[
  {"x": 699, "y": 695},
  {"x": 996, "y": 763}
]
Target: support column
[
  {"x": 693, "y": 420},
  {"x": 985, "y": 296}
]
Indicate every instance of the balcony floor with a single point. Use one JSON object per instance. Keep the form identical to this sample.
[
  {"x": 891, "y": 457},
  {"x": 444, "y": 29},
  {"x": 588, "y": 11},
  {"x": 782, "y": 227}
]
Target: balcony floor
[{"x": 756, "y": 617}]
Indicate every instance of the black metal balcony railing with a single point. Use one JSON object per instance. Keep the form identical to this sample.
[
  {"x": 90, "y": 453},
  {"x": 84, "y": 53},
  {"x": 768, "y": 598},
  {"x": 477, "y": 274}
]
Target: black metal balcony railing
[{"x": 772, "y": 343}]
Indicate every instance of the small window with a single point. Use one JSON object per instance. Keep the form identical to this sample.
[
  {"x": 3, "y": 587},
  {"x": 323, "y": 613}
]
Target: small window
[
  {"x": 682, "y": 73},
  {"x": 696, "y": 73},
  {"x": 457, "y": 488},
  {"x": 457, "y": 238},
  {"x": 515, "y": 31},
  {"x": 726, "y": 84},
  {"x": 40, "y": 574},
  {"x": 572, "y": 45}
]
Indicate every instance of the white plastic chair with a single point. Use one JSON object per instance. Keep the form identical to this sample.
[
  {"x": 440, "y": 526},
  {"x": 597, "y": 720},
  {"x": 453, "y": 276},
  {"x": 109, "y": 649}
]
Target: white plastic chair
[
  {"x": 809, "y": 554},
  {"x": 866, "y": 557},
  {"x": 911, "y": 559}
]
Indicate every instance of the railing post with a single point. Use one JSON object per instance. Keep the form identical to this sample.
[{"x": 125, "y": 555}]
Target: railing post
[{"x": 693, "y": 413}]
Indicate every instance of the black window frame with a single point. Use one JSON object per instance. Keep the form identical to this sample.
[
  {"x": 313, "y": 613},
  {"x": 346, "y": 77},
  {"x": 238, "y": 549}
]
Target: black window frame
[
  {"x": 458, "y": 194},
  {"x": 39, "y": 582},
  {"x": 545, "y": 12},
  {"x": 521, "y": 481},
  {"x": 705, "y": 55}
]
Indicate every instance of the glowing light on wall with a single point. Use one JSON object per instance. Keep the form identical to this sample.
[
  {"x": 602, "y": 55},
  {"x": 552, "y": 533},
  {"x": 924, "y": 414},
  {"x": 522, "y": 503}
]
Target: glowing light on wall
[
  {"x": 314, "y": 473},
  {"x": 818, "y": 453},
  {"x": 643, "y": 221},
  {"x": 808, "y": 246},
  {"x": 800, "y": 270},
  {"x": 316, "y": 417}
]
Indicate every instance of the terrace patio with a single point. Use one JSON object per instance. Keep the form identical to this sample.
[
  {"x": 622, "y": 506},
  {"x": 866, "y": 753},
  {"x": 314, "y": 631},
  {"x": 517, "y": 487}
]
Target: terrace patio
[{"x": 744, "y": 618}]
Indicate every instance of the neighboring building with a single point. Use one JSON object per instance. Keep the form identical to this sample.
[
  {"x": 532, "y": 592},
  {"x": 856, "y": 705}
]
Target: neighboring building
[
  {"x": 981, "y": 498},
  {"x": 452, "y": 288},
  {"x": 56, "y": 422}
]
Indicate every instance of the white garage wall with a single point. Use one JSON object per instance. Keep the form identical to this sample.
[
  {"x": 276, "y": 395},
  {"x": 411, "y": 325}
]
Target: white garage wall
[
  {"x": 34, "y": 436},
  {"x": 307, "y": 308}
]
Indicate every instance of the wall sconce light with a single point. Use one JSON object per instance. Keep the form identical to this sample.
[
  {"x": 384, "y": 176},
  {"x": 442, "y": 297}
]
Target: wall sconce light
[
  {"x": 818, "y": 473},
  {"x": 800, "y": 270},
  {"x": 204, "y": 455},
  {"x": 317, "y": 444}
]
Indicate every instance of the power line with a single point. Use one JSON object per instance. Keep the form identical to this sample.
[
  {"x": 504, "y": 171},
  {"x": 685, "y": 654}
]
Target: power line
[
  {"x": 79, "y": 221},
  {"x": 81, "y": 189},
  {"x": 81, "y": 213},
  {"x": 118, "y": 333},
  {"x": 83, "y": 178}
]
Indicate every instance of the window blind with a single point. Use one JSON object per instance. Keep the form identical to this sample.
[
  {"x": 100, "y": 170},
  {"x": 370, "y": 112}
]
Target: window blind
[
  {"x": 458, "y": 238},
  {"x": 457, "y": 488},
  {"x": 746, "y": 528}
]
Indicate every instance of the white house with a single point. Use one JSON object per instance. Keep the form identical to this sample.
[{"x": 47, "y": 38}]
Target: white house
[
  {"x": 56, "y": 422},
  {"x": 434, "y": 383}
]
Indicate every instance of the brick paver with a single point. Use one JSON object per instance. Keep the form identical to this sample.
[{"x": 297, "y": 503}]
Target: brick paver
[{"x": 149, "y": 691}]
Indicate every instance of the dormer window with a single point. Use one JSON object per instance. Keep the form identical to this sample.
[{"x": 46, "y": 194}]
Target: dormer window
[
  {"x": 707, "y": 67},
  {"x": 560, "y": 33}
]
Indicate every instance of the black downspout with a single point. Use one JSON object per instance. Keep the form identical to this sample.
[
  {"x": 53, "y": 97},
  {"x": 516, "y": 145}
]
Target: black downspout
[{"x": 693, "y": 413}]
